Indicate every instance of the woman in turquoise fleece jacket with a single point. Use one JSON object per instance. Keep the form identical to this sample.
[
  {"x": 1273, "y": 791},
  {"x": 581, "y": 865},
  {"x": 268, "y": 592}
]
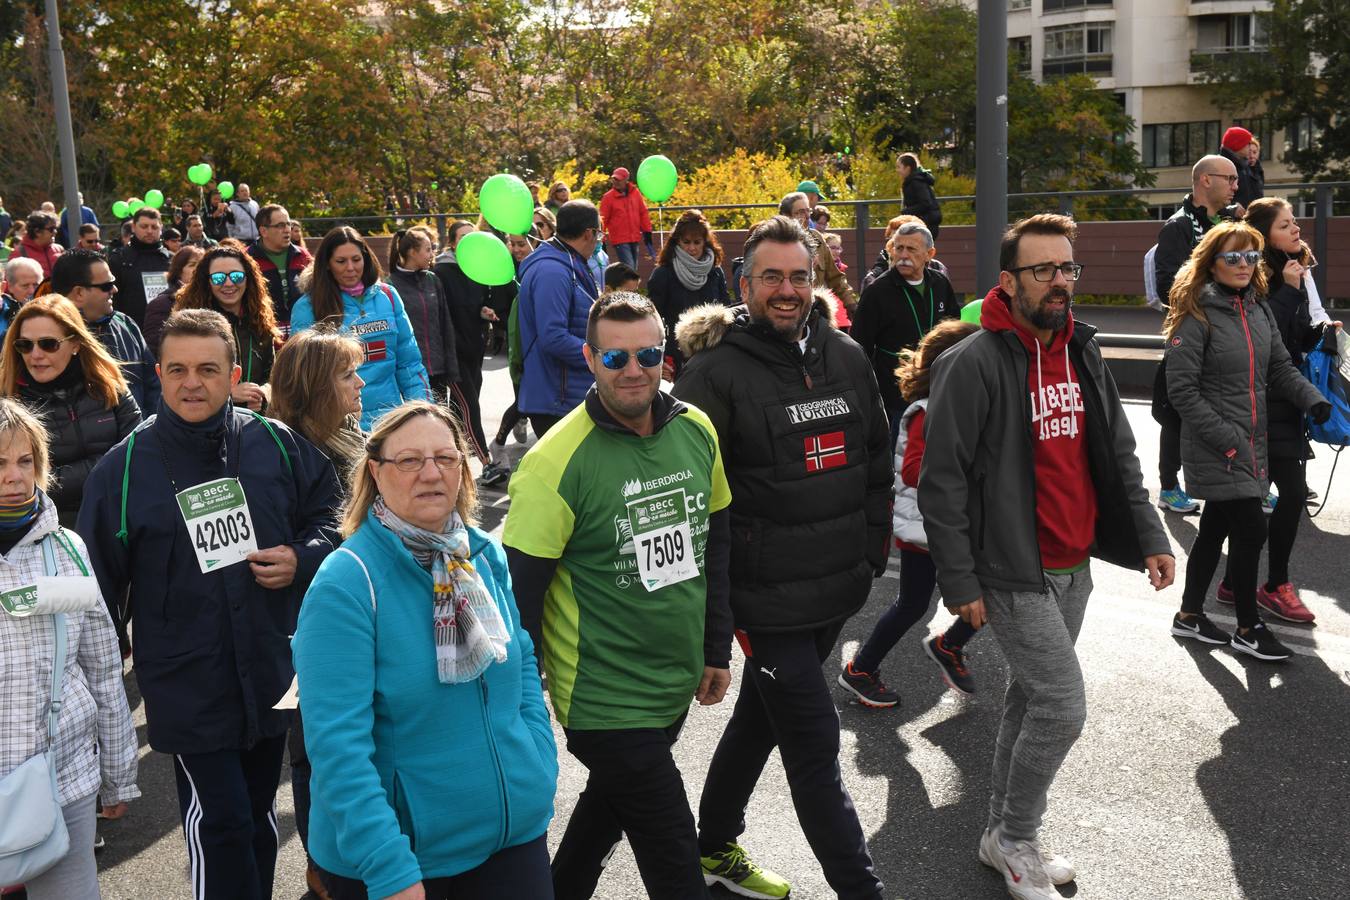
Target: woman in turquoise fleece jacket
[
  {"x": 423, "y": 777},
  {"x": 342, "y": 288}
]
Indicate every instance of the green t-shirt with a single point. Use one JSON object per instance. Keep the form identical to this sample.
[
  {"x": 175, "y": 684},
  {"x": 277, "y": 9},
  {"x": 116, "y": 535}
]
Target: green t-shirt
[
  {"x": 617, "y": 654},
  {"x": 278, "y": 259}
]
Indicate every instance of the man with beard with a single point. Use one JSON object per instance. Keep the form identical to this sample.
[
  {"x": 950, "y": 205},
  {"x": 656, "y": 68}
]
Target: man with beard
[
  {"x": 618, "y": 544},
  {"x": 1029, "y": 468},
  {"x": 796, "y": 405}
]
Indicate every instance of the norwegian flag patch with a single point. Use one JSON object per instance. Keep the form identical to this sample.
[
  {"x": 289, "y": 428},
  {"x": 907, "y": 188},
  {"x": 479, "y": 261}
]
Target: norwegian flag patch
[
  {"x": 825, "y": 451},
  {"x": 376, "y": 351}
]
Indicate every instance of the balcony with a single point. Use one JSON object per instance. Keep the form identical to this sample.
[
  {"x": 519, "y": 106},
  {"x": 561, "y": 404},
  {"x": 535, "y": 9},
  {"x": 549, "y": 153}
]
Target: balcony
[
  {"x": 1204, "y": 58},
  {"x": 1049, "y": 6},
  {"x": 1098, "y": 64}
]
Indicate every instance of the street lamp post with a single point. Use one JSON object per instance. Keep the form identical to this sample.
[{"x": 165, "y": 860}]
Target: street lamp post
[
  {"x": 65, "y": 133},
  {"x": 991, "y": 140}
]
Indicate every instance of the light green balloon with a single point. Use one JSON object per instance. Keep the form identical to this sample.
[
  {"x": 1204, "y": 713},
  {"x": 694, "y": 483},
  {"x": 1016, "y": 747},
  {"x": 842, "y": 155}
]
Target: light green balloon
[
  {"x": 120, "y": 210},
  {"x": 134, "y": 204},
  {"x": 507, "y": 205},
  {"x": 484, "y": 258},
  {"x": 971, "y": 312},
  {"x": 154, "y": 198},
  {"x": 200, "y": 173},
  {"x": 226, "y": 189},
  {"x": 656, "y": 178}
]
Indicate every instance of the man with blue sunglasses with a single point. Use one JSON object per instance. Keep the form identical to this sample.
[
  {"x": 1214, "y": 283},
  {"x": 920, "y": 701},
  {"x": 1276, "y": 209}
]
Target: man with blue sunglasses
[{"x": 618, "y": 540}]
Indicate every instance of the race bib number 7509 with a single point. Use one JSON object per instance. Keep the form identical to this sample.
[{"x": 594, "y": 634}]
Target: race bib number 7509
[{"x": 662, "y": 540}]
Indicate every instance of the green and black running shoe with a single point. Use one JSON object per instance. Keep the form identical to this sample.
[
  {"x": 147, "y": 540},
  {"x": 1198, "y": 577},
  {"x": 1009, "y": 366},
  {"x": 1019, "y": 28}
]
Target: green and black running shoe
[{"x": 734, "y": 870}]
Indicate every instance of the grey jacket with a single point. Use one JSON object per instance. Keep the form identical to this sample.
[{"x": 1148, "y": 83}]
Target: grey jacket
[
  {"x": 1217, "y": 377},
  {"x": 977, "y": 488}
]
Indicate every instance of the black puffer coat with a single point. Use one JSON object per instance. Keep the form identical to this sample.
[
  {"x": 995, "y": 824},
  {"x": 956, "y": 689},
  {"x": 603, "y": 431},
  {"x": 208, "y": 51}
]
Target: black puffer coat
[
  {"x": 429, "y": 312},
  {"x": 806, "y": 445},
  {"x": 80, "y": 430}
]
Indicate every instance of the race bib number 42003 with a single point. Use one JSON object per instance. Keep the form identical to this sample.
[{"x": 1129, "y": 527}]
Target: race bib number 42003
[
  {"x": 218, "y": 522},
  {"x": 662, "y": 540}
]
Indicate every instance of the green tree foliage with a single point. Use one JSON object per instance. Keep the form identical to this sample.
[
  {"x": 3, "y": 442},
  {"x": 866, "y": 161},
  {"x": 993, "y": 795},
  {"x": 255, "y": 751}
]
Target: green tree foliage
[
  {"x": 330, "y": 105},
  {"x": 1300, "y": 79}
]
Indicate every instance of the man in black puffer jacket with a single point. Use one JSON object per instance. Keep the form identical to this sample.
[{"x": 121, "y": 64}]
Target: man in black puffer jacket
[{"x": 806, "y": 446}]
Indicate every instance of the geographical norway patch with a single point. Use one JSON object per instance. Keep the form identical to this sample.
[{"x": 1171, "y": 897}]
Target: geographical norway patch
[
  {"x": 825, "y": 451},
  {"x": 376, "y": 351}
]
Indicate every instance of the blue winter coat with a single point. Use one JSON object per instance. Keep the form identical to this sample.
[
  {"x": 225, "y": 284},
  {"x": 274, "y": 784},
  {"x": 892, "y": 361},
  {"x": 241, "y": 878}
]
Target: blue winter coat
[
  {"x": 393, "y": 370},
  {"x": 212, "y": 649},
  {"x": 556, "y": 294},
  {"x": 413, "y": 778}
]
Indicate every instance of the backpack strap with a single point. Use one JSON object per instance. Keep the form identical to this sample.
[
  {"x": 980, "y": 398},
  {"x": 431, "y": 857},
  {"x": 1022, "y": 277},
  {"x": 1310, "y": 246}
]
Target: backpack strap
[
  {"x": 370, "y": 584},
  {"x": 59, "y": 658},
  {"x": 285, "y": 454}
]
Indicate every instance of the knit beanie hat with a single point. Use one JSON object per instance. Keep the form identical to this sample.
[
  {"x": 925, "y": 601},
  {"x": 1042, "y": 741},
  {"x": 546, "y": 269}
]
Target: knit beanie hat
[{"x": 1236, "y": 138}]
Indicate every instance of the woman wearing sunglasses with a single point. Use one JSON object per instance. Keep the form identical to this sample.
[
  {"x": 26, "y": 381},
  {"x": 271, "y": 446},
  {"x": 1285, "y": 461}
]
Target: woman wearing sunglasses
[
  {"x": 1223, "y": 351},
  {"x": 228, "y": 281},
  {"x": 61, "y": 372}
]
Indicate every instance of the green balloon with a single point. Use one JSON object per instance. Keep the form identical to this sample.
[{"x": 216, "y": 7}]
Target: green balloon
[
  {"x": 226, "y": 189},
  {"x": 435, "y": 186},
  {"x": 656, "y": 178},
  {"x": 507, "y": 205},
  {"x": 120, "y": 210},
  {"x": 484, "y": 258},
  {"x": 134, "y": 204},
  {"x": 154, "y": 198},
  {"x": 971, "y": 312},
  {"x": 200, "y": 173}
]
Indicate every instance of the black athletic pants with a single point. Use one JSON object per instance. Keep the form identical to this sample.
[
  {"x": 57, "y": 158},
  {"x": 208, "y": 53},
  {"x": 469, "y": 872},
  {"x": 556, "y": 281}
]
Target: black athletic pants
[
  {"x": 519, "y": 871},
  {"x": 227, "y": 800},
  {"x": 785, "y": 702},
  {"x": 1244, "y": 524},
  {"x": 634, "y": 789}
]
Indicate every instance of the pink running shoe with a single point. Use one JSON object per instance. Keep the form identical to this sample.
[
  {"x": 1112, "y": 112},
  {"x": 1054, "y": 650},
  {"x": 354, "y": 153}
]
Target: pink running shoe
[
  {"x": 1225, "y": 593},
  {"x": 1284, "y": 603}
]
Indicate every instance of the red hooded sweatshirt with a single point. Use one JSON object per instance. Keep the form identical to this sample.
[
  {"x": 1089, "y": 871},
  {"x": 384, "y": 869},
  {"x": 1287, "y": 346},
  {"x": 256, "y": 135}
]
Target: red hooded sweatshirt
[{"x": 1066, "y": 499}]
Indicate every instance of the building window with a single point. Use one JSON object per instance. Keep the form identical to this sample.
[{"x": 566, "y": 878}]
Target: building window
[
  {"x": 1054, "y": 5},
  {"x": 1242, "y": 33},
  {"x": 1261, "y": 129},
  {"x": 1019, "y": 49},
  {"x": 1015, "y": 5},
  {"x": 1085, "y": 47},
  {"x": 1179, "y": 143},
  {"x": 1302, "y": 135}
]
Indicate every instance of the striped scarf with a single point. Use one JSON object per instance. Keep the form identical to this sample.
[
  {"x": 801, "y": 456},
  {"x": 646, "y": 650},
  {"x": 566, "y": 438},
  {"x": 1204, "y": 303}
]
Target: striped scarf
[
  {"x": 469, "y": 632},
  {"x": 19, "y": 515}
]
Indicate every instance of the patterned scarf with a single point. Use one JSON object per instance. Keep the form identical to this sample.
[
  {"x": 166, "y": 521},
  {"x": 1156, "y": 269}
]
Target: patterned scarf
[
  {"x": 469, "y": 631},
  {"x": 19, "y": 514}
]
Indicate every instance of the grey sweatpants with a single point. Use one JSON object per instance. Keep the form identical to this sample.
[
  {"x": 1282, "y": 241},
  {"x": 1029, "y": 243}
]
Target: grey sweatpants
[
  {"x": 75, "y": 877},
  {"x": 1045, "y": 708}
]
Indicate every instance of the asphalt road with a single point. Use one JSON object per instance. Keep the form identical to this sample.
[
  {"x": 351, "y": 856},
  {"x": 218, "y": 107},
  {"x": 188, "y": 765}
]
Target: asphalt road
[{"x": 1200, "y": 775}]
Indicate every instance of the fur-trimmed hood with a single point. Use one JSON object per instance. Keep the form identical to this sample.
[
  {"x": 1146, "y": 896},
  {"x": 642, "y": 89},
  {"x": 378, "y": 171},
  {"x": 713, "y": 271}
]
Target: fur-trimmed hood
[{"x": 702, "y": 327}]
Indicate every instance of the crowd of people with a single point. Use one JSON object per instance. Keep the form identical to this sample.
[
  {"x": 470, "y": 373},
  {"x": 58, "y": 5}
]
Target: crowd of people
[{"x": 248, "y": 468}]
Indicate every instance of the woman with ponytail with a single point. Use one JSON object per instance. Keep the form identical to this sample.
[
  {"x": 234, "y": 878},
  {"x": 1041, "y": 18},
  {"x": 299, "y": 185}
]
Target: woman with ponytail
[{"x": 411, "y": 255}]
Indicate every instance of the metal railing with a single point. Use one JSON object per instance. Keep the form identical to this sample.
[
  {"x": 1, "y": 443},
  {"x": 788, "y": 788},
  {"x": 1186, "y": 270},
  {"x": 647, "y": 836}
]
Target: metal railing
[{"x": 862, "y": 210}]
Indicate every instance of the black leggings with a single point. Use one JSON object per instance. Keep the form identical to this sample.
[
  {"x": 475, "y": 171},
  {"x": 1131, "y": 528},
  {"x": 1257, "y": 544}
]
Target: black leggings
[
  {"x": 918, "y": 577},
  {"x": 1244, "y": 524},
  {"x": 1291, "y": 478}
]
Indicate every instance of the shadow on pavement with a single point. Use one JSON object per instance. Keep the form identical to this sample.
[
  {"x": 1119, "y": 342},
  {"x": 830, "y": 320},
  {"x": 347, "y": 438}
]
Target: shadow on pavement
[{"x": 1286, "y": 824}]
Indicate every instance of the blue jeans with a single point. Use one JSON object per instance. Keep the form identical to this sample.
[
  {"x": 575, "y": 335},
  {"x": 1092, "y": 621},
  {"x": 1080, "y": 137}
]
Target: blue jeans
[{"x": 627, "y": 254}]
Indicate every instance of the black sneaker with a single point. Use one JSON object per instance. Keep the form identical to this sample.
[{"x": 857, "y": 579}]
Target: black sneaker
[
  {"x": 1261, "y": 642},
  {"x": 98, "y": 842},
  {"x": 868, "y": 688},
  {"x": 952, "y": 662},
  {"x": 1199, "y": 628},
  {"x": 494, "y": 474}
]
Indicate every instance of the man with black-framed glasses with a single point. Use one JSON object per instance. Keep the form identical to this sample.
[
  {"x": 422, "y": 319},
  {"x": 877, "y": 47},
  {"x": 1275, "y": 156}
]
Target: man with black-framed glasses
[
  {"x": 618, "y": 540},
  {"x": 1029, "y": 469},
  {"x": 1214, "y": 180},
  {"x": 796, "y": 404},
  {"x": 280, "y": 260},
  {"x": 86, "y": 279}
]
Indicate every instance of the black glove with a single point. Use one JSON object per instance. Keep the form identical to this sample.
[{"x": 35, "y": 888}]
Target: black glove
[{"x": 1320, "y": 412}]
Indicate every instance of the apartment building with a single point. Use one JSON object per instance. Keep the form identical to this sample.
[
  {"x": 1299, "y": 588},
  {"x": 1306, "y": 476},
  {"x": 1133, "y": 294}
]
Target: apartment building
[{"x": 1149, "y": 53}]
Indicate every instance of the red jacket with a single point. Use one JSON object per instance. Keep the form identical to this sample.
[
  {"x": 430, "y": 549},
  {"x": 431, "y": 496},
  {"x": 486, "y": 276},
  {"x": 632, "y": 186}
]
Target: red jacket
[
  {"x": 625, "y": 215},
  {"x": 43, "y": 256}
]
